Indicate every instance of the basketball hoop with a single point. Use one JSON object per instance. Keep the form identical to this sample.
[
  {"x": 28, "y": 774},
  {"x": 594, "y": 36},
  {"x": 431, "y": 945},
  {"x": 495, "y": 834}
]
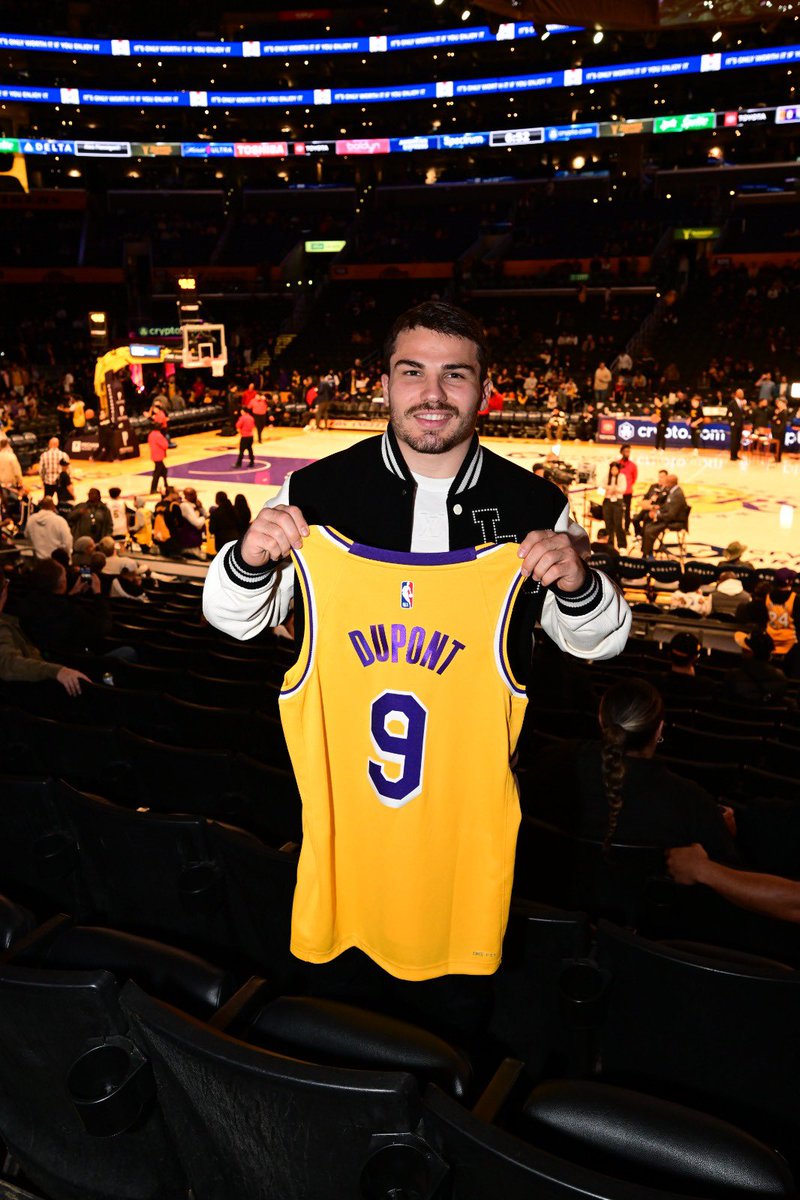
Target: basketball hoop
[{"x": 204, "y": 348}]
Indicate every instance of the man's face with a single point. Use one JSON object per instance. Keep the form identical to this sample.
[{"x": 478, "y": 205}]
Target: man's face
[
  {"x": 625, "y": 452},
  {"x": 433, "y": 390}
]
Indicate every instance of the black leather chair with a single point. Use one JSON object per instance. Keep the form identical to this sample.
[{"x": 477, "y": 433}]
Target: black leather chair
[
  {"x": 681, "y": 530},
  {"x": 253, "y": 695},
  {"x": 274, "y": 810},
  {"x": 77, "y": 1110},
  {"x": 690, "y": 742},
  {"x": 15, "y": 922},
  {"x": 200, "y": 726},
  {"x": 258, "y": 884},
  {"x": 169, "y": 778},
  {"x": 150, "y": 872},
  {"x": 38, "y": 849},
  {"x": 250, "y": 1123},
  {"x": 652, "y": 1142},
  {"x": 629, "y": 885},
  {"x": 715, "y": 1029},
  {"x": 526, "y": 1020},
  {"x": 333, "y": 1034},
  {"x": 485, "y": 1160},
  {"x": 704, "y": 572}
]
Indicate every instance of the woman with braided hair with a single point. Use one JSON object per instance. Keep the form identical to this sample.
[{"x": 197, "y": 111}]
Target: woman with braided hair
[
  {"x": 631, "y": 724},
  {"x": 615, "y": 790}
]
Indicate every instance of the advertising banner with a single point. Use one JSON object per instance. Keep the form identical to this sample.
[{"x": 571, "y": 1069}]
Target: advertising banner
[{"x": 641, "y": 431}]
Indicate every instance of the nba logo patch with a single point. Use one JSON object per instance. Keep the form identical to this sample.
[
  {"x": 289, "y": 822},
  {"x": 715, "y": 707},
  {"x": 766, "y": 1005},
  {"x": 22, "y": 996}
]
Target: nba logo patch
[{"x": 407, "y": 594}]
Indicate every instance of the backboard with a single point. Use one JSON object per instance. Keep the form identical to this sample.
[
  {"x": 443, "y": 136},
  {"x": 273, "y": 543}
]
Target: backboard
[{"x": 204, "y": 347}]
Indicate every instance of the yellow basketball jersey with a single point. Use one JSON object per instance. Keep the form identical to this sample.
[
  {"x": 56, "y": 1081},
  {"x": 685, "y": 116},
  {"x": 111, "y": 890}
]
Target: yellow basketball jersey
[{"x": 401, "y": 716}]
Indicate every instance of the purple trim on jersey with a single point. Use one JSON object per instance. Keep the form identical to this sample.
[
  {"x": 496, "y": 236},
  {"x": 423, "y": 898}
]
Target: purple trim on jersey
[
  {"x": 405, "y": 559},
  {"x": 502, "y": 647},
  {"x": 311, "y": 631},
  {"x": 336, "y": 537}
]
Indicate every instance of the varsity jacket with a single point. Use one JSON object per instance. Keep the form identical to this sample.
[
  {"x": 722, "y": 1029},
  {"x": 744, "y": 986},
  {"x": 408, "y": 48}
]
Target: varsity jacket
[{"x": 367, "y": 493}]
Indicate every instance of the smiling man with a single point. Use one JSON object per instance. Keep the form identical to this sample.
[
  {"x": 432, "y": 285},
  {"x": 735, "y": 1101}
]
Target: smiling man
[
  {"x": 426, "y": 485},
  {"x": 403, "y": 708}
]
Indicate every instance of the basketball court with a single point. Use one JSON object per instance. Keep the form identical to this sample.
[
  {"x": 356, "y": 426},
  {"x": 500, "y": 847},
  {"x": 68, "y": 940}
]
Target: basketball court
[{"x": 754, "y": 501}]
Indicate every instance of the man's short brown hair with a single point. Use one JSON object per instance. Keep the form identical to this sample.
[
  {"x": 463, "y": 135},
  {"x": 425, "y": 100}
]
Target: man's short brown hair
[{"x": 444, "y": 318}]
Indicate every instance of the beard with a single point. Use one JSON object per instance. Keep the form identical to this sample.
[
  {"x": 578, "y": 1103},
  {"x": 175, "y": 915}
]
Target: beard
[{"x": 458, "y": 429}]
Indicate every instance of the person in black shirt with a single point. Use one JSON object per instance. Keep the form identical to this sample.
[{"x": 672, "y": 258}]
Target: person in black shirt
[{"x": 614, "y": 790}]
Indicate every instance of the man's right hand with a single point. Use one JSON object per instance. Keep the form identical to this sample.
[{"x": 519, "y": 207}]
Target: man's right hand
[{"x": 273, "y": 533}]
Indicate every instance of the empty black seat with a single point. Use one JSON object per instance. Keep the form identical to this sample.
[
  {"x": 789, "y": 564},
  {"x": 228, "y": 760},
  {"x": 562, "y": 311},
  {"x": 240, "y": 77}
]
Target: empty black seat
[
  {"x": 149, "y": 872},
  {"x": 718, "y": 1035},
  {"x": 244, "y": 1119},
  {"x": 49, "y": 1022},
  {"x": 38, "y": 849},
  {"x": 654, "y": 1142}
]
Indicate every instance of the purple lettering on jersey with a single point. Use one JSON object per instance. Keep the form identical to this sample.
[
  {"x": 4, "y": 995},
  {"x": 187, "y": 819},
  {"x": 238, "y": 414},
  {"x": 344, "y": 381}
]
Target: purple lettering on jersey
[
  {"x": 380, "y": 643},
  {"x": 434, "y": 650},
  {"x": 416, "y": 640},
  {"x": 437, "y": 655},
  {"x": 456, "y": 647},
  {"x": 361, "y": 648},
  {"x": 398, "y": 640}
]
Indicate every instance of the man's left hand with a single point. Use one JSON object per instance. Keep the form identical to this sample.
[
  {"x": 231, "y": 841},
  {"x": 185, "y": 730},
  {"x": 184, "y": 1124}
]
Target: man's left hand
[{"x": 552, "y": 560}]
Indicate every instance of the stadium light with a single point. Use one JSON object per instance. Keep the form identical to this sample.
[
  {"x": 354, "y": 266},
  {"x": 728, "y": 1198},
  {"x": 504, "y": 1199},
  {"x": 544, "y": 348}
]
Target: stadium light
[
  {"x": 717, "y": 36},
  {"x": 598, "y": 37}
]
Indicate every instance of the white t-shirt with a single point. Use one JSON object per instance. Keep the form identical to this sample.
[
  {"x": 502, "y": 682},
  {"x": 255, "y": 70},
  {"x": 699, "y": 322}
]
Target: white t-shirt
[
  {"x": 119, "y": 517},
  {"x": 431, "y": 531}
]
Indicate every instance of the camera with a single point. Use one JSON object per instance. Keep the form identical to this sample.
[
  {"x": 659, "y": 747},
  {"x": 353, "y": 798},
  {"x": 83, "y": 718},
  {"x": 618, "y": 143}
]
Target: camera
[{"x": 86, "y": 574}]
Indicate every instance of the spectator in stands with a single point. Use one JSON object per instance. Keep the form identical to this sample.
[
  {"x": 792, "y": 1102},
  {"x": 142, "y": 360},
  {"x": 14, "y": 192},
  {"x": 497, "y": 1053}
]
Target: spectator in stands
[
  {"x": 770, "y": 895},
  {"x": 243, "y": 515},
  {"x": 62, "y": 623},
  {"x": 82, "y": 551},
  {"x": 615, "y": 790},
  {"x": 48, "y": 531},
  {"x": 767, "y": 388},
  {"x": 629, "y": 473},
  {"x": 601, "y": 545},
  {"x": 142, "y": 525},
  {"x": 245, "y": 427},
  {"x": 780, "y": 615},
  {"x": 21, "y": 662},
  {"x": 729, "y": 595},
  {"x": 50, "y": 464},
  {"x": 115, "y": 562},
  {"x": 683, "y": 684},
  {"x": 167, "y": 520},
  {"x": 191, "y": 532},
  {"x": 671, "y": 510},
  {"x": 601, "y": 384},
  {"x": 587, "y": 424},
  {"x": 757, "y": 681},
  {"x": 10, "y": 470},
  {"x": 222, "y": 522},
  {"x": 732, "y": 555},
  {"x": 92, "y": 518},
  {"x": 119, "y": 514},
  {"x": 158, "y": 446},
  {"x": 614, "y": 507},
  {"x": 65, "y": 492}
]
